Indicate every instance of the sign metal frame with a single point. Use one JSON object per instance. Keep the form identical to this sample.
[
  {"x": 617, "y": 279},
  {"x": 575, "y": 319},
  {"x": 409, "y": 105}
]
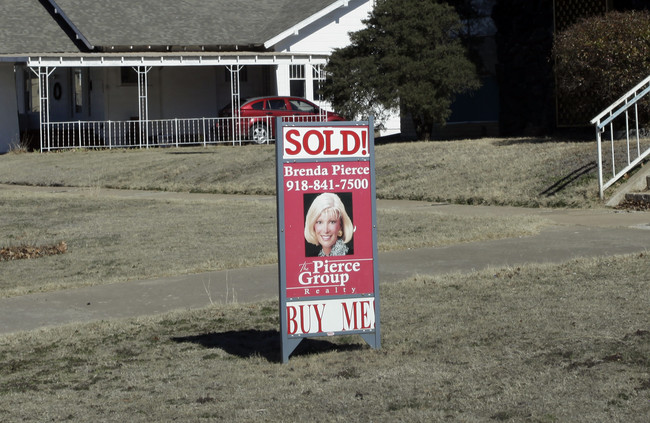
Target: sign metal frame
[{"x": 321, "y": 300}]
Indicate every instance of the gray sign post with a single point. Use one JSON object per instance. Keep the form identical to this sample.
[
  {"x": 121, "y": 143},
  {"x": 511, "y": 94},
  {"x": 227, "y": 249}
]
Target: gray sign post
[{"x": 327, "y": 231}]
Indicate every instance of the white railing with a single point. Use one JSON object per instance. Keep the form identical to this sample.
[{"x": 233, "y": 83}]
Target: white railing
[
  {"x": 628, "y": 134},
  {"x": 163, "y": 132}
]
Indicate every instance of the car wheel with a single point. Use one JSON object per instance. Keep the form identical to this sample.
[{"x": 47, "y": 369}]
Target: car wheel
[{"x": 259, "y": 133}]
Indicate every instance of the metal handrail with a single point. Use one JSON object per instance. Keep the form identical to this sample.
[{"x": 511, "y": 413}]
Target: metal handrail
[
  {"x": 605, "y": 122},
  {"x": 621, "y": 100}
]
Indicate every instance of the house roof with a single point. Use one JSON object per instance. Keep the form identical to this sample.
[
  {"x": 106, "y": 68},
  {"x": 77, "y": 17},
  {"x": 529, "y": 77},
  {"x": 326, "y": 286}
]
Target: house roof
[
  {"x": 26, "y": 26},
  {"x": 34, "y": 27},
  {"x": 119, "y": 25}
]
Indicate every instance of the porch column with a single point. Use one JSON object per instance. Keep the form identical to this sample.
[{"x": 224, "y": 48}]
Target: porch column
[
  {"x": 282, "y": 80},
  {"x": 143, "y": 104},
  {"x": 318, "y": 77},
  {"x": 9, "y": 127},
  {"x": 43, "y": 74},
  {"x": 235, "y": 100},
  {"x": 309, "y": 83}
]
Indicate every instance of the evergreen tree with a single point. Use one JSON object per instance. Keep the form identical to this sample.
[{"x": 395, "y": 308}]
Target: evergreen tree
[{"x": 408, "y": 56}]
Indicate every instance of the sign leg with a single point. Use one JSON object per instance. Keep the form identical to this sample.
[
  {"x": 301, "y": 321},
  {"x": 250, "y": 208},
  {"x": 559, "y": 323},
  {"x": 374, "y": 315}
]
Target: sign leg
[
  {"x": 372, "y": 339},
  {"x": 288, "y": 346}
]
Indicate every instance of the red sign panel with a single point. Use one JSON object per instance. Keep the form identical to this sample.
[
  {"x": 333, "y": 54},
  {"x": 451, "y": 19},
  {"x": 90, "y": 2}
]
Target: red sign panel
[{"x": 324, "y": 259}]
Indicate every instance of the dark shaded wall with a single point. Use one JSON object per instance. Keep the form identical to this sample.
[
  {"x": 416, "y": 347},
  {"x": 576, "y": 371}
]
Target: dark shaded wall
[
  {"x": 623, "y": 5},
  {"x": 524, "y": 41}
]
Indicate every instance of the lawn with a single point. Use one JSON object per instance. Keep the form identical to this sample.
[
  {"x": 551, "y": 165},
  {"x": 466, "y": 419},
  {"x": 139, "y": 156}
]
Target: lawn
[
  {"x": 523, "y": 172},
  {"x": 119, "y": 237},
  {"x": 552, "y": 343},
  {"x": 537, "y": 343},
  {"x": 124, "y": 236}
]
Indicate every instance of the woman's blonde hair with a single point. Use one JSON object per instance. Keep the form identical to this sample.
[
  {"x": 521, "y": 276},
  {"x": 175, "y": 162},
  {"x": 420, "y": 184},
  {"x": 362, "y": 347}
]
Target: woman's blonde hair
[{"x": 332, "y": 206}]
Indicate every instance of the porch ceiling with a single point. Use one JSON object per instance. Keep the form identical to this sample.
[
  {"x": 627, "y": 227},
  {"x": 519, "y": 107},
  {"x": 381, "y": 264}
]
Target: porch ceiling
[{"x": 174, "y": 59}]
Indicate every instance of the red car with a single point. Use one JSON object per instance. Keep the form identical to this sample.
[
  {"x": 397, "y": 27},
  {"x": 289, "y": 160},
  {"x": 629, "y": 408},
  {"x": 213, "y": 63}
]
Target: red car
[{"x": 257, "y": 115}]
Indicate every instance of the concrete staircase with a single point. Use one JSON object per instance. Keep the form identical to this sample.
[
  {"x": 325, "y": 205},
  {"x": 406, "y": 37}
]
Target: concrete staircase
[
  {"x": 640, "y": 199},
  {"x": 635, "y": 192}
]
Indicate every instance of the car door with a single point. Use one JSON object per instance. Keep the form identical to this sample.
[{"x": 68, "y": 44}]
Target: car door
[{"x": 278, "y": 107}]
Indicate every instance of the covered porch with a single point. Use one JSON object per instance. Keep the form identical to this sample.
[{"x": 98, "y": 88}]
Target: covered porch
[{"x": 125, "y": 117}]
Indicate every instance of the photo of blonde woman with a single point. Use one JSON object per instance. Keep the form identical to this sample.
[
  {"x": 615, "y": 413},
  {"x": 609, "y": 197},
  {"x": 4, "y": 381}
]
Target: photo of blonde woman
[{"x": 328, "y": 227}]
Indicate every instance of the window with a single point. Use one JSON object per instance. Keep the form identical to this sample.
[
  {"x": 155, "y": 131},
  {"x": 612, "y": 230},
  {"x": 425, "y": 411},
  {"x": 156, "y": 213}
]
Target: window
[
  {"x": 277, "y": 104},
  {"x": 32, "y": 100},
  {"x": 258, "y": 105},
  {"x": 302, "y": 106},
  {"x": 297, "y": 80}
]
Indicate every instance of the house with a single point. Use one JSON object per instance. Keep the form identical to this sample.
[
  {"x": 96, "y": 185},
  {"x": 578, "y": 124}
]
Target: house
[{"x": 109, "y": 68}]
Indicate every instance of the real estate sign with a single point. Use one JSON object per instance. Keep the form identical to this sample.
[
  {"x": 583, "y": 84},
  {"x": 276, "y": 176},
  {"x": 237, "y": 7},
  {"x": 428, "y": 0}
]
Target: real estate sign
[{"x": 327, "y": 231}]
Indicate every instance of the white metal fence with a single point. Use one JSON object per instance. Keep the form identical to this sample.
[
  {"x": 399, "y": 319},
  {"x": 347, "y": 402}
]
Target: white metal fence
[
  {"x": 623, "y": 135},
  {"x": 164, "y": 132}
]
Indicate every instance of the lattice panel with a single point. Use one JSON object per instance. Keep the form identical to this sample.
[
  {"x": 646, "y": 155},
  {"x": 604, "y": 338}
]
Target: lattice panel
[{"x": 568, "y": 12}]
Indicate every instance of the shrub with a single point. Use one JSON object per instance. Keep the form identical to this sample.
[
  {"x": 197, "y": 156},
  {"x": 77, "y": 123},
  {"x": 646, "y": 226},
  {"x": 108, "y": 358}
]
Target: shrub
[{"x": 602, "y": 57}]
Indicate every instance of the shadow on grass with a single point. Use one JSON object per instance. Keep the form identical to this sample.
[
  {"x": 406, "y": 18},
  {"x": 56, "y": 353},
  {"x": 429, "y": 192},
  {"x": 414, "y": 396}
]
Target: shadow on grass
[
  {"x": 184, "y": 153},
  {"x": 574, "y": 134},
  {"x": 568, "y": 179},
  {"x": 267, "y": 344},
  {"x": 517, "y": 141},
  {"x": 215, "y": 148}
]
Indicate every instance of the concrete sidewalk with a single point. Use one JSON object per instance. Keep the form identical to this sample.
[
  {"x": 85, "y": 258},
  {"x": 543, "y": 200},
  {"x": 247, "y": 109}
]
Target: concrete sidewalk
[{"x": 570, "y": 234}]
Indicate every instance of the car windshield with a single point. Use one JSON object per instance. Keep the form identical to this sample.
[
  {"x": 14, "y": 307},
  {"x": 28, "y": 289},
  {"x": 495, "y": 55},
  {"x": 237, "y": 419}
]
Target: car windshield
[{"x": 302, "y": 106}]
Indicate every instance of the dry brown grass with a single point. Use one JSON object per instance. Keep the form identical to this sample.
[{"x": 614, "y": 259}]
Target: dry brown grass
[
  {"x": 519, "y": 172},
  {"x": 118, "y": 239},
  {"x": 29, "y": 252},
  {"x": 522, "y": 172},
  {"x": 114, "y": 238},
  {"x": 551, "y": 343}
]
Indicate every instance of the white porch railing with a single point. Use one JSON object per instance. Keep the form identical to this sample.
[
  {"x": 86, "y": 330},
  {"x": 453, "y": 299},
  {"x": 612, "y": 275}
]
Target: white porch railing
[
  {"x": 628, "y": 138},
  {"x": 164, "y": 132}
]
